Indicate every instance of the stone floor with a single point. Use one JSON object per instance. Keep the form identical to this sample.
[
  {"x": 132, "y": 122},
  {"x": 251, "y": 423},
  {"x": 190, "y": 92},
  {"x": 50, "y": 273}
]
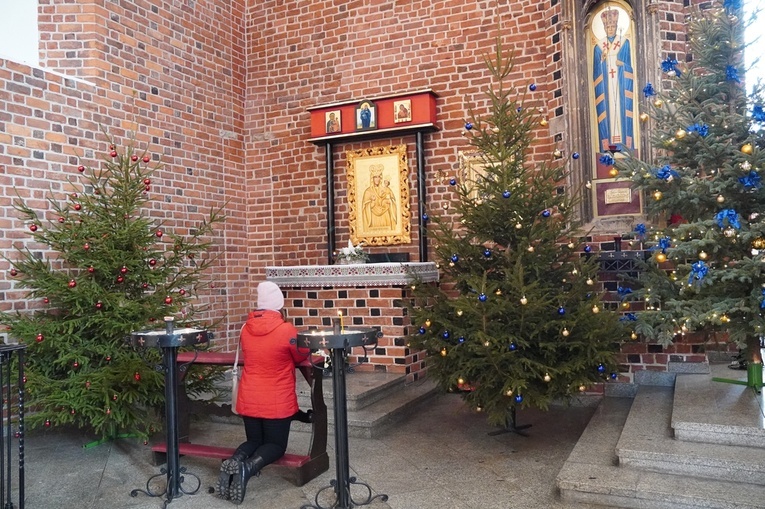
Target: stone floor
[{"x": 440, "y": 458}]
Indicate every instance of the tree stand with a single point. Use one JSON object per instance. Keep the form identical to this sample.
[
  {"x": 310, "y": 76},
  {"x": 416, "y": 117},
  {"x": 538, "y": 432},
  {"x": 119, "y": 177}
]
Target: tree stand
[
  {"x": 753, "y": 377},
  {"x": 511, "y": 426}
]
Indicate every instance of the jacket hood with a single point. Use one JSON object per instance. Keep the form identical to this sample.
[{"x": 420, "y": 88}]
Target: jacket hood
[{"x": 263, "y": 321}]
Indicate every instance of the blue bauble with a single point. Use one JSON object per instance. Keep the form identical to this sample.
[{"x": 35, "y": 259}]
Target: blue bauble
[
  {"x": 423, "y": 330},
  {"x": 613, "y": 376},
  {"x": 455, "y": 258},
  {"x": 587, "y": 248},
  {"x": 482, "y": 297},
  {"x": 546, "y": 213},
  {"x": 487, "y": 252},
  {"x": 601, "y": 368},
  {"x": 445, "y": 334},
  {"x": 561, "y": 310},
  {"x": 575, "y": 155},
  {"x": 513, "y": 347},
  {"x": 532, "y": 87},
  {"x": 425, "y": 217},
  {"x": 468, "y": 125},
  {"x": 518, "y": 109},
  {"x": 505, "y": 194},
  {"x": 452, "y": 182},
  {"x": 461, "y": 339},
  {"x": 519, "y": 399}
]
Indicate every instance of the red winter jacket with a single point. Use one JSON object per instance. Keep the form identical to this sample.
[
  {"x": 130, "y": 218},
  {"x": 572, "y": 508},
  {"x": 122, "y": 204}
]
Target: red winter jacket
[{"x": 269, "y": 348}]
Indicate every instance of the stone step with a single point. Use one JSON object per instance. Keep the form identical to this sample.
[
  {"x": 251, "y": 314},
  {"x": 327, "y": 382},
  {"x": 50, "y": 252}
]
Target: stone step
[
  {"x": 591, "y": 474},
  {"x": 362, "y": 389},
  {"x": 716, "y": 412},
  {"x": 647, "y": 443}
]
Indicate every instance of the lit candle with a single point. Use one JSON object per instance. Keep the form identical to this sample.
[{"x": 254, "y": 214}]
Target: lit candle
[{"x": 340, "y": 314}]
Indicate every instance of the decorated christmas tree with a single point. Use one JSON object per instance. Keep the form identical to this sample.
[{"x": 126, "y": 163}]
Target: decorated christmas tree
[
  {"x": 107, "y": 268},
  {"x": 517, "y": 319},
  {"x": 704, "y": 191}
]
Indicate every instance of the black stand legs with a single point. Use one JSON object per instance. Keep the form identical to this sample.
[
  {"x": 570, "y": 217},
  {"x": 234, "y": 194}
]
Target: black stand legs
[{"x": 512, "y": 426}]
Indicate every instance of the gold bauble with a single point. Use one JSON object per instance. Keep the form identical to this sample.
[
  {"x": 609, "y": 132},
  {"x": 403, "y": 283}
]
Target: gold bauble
[
  {"x": 720, "y": 198},
  {"x": 703, "y": 255},
  {"x": 747, "y": 148},
  {"x": 729, "y": 232},
  {"x": 543, "y": 122},
  {"x": 613, "y": 172},
  {"x": 595, "y": 309},
  {"x": 680, "y": 134},
  {"x": 658, "y": 103},
  {"x": 758, "y": 243},
  {"x": 625, "y": 305},
  {"x": 427, "y": 323},
  {"x": 644, "y": 117},
  {"x": 461, "y": 381},
  {"x": 661, "y": 257},
  {"x": 443, "y": 352},
  {"x": 565, "y": 332},
  {"x": 633, "y": 336},
  {"x": 459, "y": 312},
  {"x": 547, "y": 377},
  {"x": 518, "y": 226},
  {"x": 590, "y": 282},
  {"x": 524, "y": 300},
  {"x": 657, "y": 195},
  {"x": 557, "y": 153}
]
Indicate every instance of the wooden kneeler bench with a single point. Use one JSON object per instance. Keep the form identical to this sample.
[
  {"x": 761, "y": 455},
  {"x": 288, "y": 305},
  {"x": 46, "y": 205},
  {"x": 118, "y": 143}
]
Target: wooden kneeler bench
[{"x": 299, "y": 468}]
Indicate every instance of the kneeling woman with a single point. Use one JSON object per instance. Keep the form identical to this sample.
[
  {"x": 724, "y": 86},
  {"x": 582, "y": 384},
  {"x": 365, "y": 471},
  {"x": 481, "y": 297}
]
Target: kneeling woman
[{"x": 267, "y": 398}]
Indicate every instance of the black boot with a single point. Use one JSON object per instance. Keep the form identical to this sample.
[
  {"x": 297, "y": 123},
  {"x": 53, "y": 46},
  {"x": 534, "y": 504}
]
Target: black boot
[
  {"x": 306, "y": 417},
  {"x": 228, "y": 468},
  {"x": 247, "y": 469}
]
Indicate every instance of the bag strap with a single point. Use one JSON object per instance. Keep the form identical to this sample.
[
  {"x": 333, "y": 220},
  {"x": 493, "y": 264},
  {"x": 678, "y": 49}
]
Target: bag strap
[{"x": 235, "y": 368}]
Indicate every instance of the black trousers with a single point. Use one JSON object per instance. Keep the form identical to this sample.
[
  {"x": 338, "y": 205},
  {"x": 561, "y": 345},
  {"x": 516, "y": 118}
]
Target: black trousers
[{"x": 266, "y": 438}]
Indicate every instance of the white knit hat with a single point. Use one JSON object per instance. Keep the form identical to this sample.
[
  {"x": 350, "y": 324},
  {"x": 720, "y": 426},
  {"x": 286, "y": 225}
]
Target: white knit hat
[{"x": 270, "y": 296}]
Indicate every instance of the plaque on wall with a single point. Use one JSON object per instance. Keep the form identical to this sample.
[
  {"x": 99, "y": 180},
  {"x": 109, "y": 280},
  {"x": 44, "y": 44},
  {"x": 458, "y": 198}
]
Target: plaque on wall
[{"x": 615, "y": 198}]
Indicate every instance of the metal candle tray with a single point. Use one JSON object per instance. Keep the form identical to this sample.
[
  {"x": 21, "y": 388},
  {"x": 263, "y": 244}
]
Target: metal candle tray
[
  {"x": 161, "y": 338},
  {"x": 316, "y": 339}
]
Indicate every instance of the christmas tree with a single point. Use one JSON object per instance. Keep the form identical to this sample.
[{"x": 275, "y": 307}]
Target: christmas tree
[
  {"x": 109, "y": 269},
  {"x": 704, "y": 191},
  {"x": 517, "y": 319}
]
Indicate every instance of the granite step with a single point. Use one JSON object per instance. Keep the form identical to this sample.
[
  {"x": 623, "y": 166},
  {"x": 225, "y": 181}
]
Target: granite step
[
  {"x": 362, "y": 388},
  {"x": 647, "y": 442},
  {"x": 716, "y": 412},
  {"x": 593, "y": 477}
]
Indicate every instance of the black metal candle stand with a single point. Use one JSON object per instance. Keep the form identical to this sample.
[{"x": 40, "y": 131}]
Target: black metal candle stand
[
  {"x": 7, "y": 353},
  {"x": 338, "y": 341},
  {"x": 169, "y": 340}
]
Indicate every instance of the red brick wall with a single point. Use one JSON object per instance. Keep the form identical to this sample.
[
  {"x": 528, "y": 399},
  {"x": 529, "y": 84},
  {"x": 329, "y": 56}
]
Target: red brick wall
[{"x": 221, "y": 90}]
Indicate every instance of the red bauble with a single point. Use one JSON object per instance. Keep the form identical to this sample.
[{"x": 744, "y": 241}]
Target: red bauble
[
  {"x": 61, "y": 219},
  {"x": 158, "y": 234},
  {"x": 137, "y": 376},
  {"x": 72, "y": 283},
  {"x": 168, "y": 300},
  {"x": 24, "y": 380},
  {"x": 152, "y": 262},
  {"x": 73, "y": 196},
  {"x": 39, "y": 338},
  {"x": 114, "y": 398},
  {"x": 91, "y": 269},
  {"x": 80, "y": 168},
  {"x": 111, "y": 147},
  {"x": 47, "y": 423},
  {"x": 146, "y": 159},
  {"x": 108, "y": 411},
  {"x": 113, "y": 153},
  {"x": 46, "y": 300},
  {"x": 123, "y": 270},
  {"x": 17, "y": 434},
  {"x": 77, "y": 206},
  {"x": 75, "y": 364},
  {"x": 108, "y": 358},
  {"x": 14, "y": 272},
  {"x": 33, "y": 227},
  {"x": 120, "y": 279},
  {"x": 86, "y": 246},
  {"x": 146, "y": 182},
  {"x": 134, "y": 158},
  {"x": 145, "y": 286},
  {"x": 182, "y": 291},
  {"x": 147, "y": 188},
  {"x": 87, "y": 384},
  {"x": 72, "y": 411},
  {"x": 99, "y": 305}
]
